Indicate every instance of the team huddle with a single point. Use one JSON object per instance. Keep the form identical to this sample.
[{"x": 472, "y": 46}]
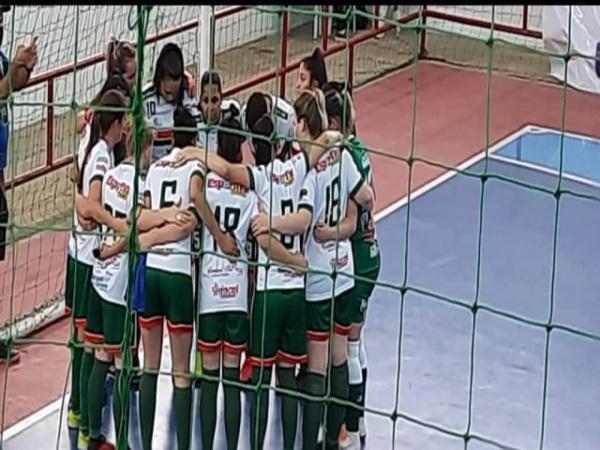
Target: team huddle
[{"x": 225, "y": 251}]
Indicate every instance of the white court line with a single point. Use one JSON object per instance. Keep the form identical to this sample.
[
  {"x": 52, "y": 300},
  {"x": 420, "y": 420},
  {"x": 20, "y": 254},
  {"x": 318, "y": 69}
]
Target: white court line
[
  {"x": 534, "y": 129},
  {"x": 49, "y": 409},
  {"x": 535, "y": 167}
]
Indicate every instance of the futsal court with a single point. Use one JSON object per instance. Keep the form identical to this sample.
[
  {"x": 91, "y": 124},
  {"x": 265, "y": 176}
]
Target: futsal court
[{"x": 483, "y": 279}]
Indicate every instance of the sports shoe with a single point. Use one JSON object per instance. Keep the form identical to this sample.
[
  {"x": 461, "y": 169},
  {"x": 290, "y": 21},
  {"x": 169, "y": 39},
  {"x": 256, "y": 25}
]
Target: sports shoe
[
  {"x": 362, "y": 429},
  {"x": 351, "y": 441},
  {"x": 73, "y": 418},
  {"x": 83, "y": 441},
  {"x": 100, "y": 443}
]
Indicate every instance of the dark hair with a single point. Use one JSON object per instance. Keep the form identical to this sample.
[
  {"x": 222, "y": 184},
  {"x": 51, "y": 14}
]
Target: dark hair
[
  {"x": 310, "y": 106},
  {"x": 256, "y": 107},
  {"x": 117, "y": 53},
  {"x": 170, "y": 64},
  {"x": 263, "y": 149},
  {"x": 4, "y": 8},
  {"x": 315, "y": 64},
  {"x": 339, "y": 86},
  {"x": 211, "y": 77},
  {"x": 114, "y": 82},
  {"x": 229, "y": 145},
  {"x": 101, "y": 123},
  {"x": 337, "y": 105},
  {"x": 183, "y": 119}
]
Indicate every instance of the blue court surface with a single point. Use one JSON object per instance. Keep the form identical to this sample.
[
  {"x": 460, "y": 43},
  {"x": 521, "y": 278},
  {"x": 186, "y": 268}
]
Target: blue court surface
[{"x": 433, "y": 336}]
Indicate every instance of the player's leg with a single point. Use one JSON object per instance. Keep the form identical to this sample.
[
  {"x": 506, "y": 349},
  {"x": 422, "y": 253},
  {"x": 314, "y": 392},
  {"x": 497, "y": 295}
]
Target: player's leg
[
  {"x": 265, "y": 325},
  {"x": 151, "y": 326},
  {"x": 339, "y": 370},
  {"x": 292, "y": 351},
  {"x": 211, "y": 331},
  {"x": 318, "y": 323},
  {"x": 362, "y": 427},
  {"x": 73, "y": 415},
  {"x": 177, "y": 290},
  {"x": 236, "y": 341},
  {"x": 92, "y": 336}
]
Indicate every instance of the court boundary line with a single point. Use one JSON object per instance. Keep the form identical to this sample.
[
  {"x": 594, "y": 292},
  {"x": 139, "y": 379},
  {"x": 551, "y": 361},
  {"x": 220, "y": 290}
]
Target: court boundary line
[
  {"x": 538, "y": 129},
  {"x": 45, "y": 411}
]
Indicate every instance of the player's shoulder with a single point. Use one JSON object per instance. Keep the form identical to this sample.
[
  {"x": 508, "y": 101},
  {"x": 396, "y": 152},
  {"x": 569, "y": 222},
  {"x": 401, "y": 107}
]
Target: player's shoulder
[{"x": 149, "y": 91}]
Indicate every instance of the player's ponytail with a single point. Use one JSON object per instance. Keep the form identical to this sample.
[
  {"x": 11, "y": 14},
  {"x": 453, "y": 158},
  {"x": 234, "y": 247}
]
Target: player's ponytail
[
  {"x": 262, "y": 146},
  {"x": 101, "y": 123},
  {"x": 310, "y": 107},
  {"x": 315, "y": 65},
  {"x": 339, "y": 107},
  {"x": 183, "y": 119}
]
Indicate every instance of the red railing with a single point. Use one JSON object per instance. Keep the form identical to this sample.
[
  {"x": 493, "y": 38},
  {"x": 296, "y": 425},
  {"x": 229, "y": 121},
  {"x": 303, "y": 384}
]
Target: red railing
[{"x": 284, "y": 68}]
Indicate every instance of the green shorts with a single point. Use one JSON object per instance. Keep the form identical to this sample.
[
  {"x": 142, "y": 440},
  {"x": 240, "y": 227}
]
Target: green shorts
[
  {"x": 78, "y": 286},
  {"x": 227, "y": 330},
  {"x": 283, "y": 313},
  {"x": 318, "y": 317},
  {"x": 105, "y": 323},
  {"x": 169, "y": 295},
  {"x": 361, "y": 293}
]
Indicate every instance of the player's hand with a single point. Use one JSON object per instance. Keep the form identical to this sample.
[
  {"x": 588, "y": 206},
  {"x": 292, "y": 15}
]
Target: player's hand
[
  {"x": 300, "y": 261},
  {"x": 25, "y": 59},
  {"x": 188, "y": 154},
  {"x": 85, "y": 223},
  {"x": 330, "y": 137},
  {"x": 228, "y": 245},
  {"x": 260, "y": 224},
  {"x": 120, "y": 226},
  {"x": 106, "y": 252},
  {"x": 323, "y": 232},
  {"x": 369, "y": 232}
]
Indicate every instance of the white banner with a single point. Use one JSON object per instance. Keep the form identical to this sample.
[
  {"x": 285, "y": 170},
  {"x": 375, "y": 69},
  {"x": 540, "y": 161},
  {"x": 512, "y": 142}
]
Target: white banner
[{"x": 582, "y": 73}]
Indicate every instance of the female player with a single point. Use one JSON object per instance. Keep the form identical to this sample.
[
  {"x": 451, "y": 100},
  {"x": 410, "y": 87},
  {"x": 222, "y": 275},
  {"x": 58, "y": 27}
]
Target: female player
[
  {"x": 170, "y": 88},
  {"x": 281, "y": 290},
  {"x": 169, "y": 290},
  {"x": 365, "y": 250},
  {"x": 312, "y": 73},
  {"x": 95, "y": 160},
  {"x": 324, "y": 196}
]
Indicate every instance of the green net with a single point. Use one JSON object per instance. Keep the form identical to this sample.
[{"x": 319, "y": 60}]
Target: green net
[{"x": 247, "y": 50}]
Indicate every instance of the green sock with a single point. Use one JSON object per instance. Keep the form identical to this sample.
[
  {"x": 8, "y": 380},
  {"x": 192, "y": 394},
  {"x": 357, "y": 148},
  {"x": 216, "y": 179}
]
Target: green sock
[
  {"x": 87, "y": 361},
  {"x": 260, "y": 407},
  {"x": 289, "y": 406},
  {"x": 117, "y": 403},
  {"x": 183, "y": 416},
  {"x": 95, "y": 395},
  {"x": 232, "y": 407},
  {"x": 335, "y": 412},
  {"x": 76, "y": 355},
  {"x": 313, "y": 410},
  {"x": 208, "y": 407},
  {"x": 147, "y": 408}
]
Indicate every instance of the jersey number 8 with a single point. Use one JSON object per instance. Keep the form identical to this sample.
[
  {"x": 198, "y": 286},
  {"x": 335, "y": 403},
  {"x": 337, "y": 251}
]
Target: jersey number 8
[
  {"x": 229, "y": 220},
  {"x": 332, "y": 202}
]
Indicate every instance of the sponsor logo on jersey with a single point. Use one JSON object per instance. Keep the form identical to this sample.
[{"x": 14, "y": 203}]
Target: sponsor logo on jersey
[
  {"x": 236, "y": 189},
  {"x": 164, "y": 163},
  {"x": 224, "y": 291},
  {"x": 121, "y": 187},
  {"x": 286, "y": 178},
  {"x": 340, "y": 262},
  {"x": 101, "y": 168},
  {"x": 331, "y": 159}
]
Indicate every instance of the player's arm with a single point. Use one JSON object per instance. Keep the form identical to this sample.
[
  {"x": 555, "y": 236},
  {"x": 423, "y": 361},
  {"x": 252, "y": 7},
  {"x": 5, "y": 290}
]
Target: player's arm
[
  {"x": 226, "y": 242},
  {"x": 19, "y": 70},
  {"x": 89, "y": 209},
  {"x": 277, "y": 251},
  {"x": 347, "y": 227},
  {"x": 234, "y": 173},
  {"x": 360, "y": 191}
]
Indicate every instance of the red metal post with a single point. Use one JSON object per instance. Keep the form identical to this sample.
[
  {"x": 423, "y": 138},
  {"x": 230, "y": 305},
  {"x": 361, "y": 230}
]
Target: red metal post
[
  {"x": 325, "y": 28},
  {"x": 50, "y": 124},
  {"x": 285, "y": 26},
  {"x": 525, "y": 17},
  {"x": 376, "y": 14}
]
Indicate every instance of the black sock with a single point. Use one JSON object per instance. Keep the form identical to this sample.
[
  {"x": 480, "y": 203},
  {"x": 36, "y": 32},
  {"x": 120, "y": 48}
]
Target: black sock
[
  {"x": 260, "y": 407},
  {"x": 364, "y": 393},
  {"x": 336, "y": 412},
  {"x": 353, "y": 414},
  {"x": 183, "y": 415},
  {"x": 208, "y": 407},
  {"x": 147, "y": 408},
  {"x": 289, "y": 407},
  {"x": 313, "y": 410},
  {"x": 232, "y": 407}
]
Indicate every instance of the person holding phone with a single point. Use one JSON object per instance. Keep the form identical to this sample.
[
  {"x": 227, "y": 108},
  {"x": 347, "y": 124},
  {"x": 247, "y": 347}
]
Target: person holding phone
[{"x": 14, "y": 75}]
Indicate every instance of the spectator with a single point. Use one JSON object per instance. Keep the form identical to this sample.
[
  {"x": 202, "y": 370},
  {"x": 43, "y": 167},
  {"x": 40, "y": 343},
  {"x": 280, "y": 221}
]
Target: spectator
[{"x": 13, "y": 77}]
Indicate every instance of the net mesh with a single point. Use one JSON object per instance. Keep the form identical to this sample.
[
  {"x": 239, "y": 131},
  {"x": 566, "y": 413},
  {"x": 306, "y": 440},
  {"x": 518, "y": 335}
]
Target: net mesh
[{"x": 245, "y": 46}]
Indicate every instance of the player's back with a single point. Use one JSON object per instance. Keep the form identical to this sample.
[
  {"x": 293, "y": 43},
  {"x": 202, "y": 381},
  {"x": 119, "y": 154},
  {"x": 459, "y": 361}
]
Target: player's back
[
  {"x": 224, "y": 283},
  {"x": 167, "y": 185},
  {"x": 278, "y": 186}
]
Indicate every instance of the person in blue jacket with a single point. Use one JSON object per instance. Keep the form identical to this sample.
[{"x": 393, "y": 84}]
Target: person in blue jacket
[{"x": 13, "y": 77}]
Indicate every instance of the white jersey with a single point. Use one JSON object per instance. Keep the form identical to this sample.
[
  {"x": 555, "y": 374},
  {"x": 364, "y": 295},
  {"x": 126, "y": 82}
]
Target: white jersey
[
  {"x": 284, "y": 118},
  {"x": 325, "y": 192},
  {"x": 159, "y": 116},
  {"x": 100, "y": 160},
  {"x": 286, "y": 178},
  {"x": 109, "y": 278},
  {"x": 166, "y": 185},
  {"x": 207, "y": 138},
  {"x": 224, "y": 283}
]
